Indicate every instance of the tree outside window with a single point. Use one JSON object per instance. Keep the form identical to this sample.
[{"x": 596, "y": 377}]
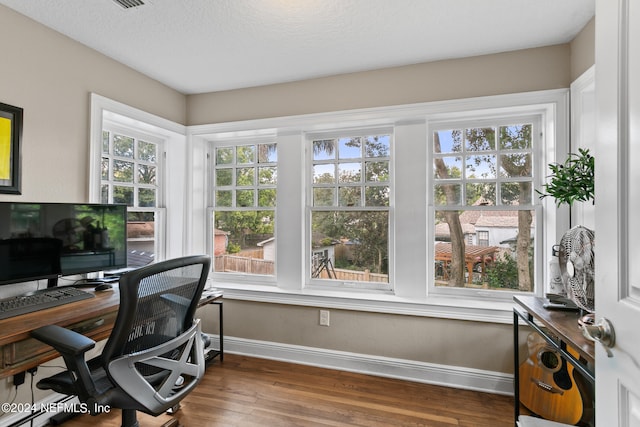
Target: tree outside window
[
  {"x": 244, "y": 196},
  {"x": 483, "y": 183},
  {"x": 350, "y": 196}
]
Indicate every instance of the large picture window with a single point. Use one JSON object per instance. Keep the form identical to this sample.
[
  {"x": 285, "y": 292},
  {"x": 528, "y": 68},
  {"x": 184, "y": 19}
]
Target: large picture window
[{"x": 350, "y": 202}]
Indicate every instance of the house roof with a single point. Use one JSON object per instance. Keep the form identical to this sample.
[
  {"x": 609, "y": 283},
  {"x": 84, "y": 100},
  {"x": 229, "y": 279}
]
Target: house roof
[
  {"x": 470, "y": 220},
  {"x": 442, "y": 229},
  {"x": 264, "y": 242}
]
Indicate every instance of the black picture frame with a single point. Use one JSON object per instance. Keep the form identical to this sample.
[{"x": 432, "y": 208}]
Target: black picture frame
[{"x": 10, "y": 141}]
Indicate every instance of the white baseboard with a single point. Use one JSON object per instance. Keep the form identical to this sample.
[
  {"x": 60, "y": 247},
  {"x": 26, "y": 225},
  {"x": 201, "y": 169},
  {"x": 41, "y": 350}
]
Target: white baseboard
[{"x": 409, "y": 370}]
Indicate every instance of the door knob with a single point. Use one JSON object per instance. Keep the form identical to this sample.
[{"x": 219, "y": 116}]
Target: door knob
[{"x": 602, "y": 332}]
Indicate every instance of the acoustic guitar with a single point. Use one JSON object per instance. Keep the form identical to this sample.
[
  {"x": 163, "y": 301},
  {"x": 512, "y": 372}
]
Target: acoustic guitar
[{"x": 547, "y": 383}]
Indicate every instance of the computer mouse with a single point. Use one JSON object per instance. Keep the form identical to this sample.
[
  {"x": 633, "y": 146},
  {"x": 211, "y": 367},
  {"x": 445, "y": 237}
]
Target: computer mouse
[{"x": 103, "y": 287}]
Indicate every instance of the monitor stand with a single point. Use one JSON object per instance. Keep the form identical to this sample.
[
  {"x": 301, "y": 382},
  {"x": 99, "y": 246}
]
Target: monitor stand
[
  {"x": 52, "y": 282},
  {"x": 96, "y": 281}
]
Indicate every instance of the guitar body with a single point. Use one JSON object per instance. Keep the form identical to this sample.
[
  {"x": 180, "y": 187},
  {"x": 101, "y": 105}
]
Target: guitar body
[{"x": 547, "y": 383}]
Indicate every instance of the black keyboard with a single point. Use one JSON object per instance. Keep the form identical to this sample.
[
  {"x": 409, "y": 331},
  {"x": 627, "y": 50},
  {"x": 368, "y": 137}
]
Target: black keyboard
[{"x": 39, "y": 300}]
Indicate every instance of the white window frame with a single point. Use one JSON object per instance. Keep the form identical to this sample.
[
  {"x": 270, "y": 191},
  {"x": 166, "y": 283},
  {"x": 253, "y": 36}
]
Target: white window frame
[
  {"x": 170, "y": 215},
  {"x": 496, "y": 119},
  {"x": 225, "y": 140},
  {"x": 412, "y": 215},
  {"x": 321, "y": 284}
]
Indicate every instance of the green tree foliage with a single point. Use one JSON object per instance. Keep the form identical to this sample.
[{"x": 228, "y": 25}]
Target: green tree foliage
[
  {"x": 366, "y": 231},
  {"x": 503, "y": 273},
  {"x": 241, "y": 224}
]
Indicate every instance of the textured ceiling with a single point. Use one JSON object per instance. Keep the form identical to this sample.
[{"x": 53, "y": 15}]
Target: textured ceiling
[{"x": 198, "y": 46}]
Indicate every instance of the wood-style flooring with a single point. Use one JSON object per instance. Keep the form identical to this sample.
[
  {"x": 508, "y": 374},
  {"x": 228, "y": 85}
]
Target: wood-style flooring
[{"x": 246, "y": 392}]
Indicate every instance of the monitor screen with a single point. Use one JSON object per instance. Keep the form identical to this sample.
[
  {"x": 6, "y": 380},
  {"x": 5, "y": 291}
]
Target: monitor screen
[
  {"x": 24, "y": 259},
  {"x": 89, "y": 238}
]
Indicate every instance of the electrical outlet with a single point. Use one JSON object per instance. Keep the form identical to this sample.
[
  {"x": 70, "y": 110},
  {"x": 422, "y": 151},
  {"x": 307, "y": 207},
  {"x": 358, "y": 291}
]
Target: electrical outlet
[{"x": 324, "y": 317}]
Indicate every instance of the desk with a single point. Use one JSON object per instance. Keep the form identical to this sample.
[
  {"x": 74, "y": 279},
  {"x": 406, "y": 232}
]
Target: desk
[
  {"x": 559, "y": 329},
  {"x": 92, "y": 317}
]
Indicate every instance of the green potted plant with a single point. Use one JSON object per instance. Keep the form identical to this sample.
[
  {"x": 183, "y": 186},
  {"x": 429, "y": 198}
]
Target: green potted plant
[
  {"x": 569, "y": 182},
  {"x": 572, "y": 180}
]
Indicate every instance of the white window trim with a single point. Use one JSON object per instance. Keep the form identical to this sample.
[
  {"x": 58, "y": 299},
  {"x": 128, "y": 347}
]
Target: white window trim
[
  {"x": 171, "y": 209},
  {"x": 411, "y": 123}
]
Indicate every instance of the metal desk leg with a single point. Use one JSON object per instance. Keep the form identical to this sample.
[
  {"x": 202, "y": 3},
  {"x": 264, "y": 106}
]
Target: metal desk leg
[{"x": 220, "y": 320}]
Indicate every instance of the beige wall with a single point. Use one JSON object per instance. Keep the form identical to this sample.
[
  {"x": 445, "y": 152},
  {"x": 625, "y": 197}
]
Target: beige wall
[
  {"x": 440, "y": 341},
  {"x": 583, "y": 51},
  {"x": 519, "y": 71},
  {"x": 51, "y": 78}
]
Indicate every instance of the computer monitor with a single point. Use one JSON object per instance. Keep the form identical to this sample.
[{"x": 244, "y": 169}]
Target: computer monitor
[
  {"x": 29, "y": 258},
  {"x": 90, "y": 238}
]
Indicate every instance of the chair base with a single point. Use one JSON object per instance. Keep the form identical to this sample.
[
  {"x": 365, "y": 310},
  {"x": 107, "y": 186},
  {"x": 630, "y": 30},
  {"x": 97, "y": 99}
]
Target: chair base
[{"x": 129, "y": 418}]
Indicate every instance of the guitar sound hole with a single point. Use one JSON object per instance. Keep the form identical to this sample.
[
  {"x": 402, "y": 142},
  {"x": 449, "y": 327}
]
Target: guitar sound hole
[{"x": 550, "y": 360}]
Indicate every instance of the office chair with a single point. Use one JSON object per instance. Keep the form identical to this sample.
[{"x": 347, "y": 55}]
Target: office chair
[{"x": 154, "y": 356}]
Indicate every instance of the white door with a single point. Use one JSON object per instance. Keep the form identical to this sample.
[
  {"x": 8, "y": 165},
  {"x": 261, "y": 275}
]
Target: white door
[{"x": 617, "y": 216}]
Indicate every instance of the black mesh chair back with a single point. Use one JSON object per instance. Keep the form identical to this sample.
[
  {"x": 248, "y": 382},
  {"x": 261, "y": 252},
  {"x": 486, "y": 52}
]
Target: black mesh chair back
[
  {"x": 155, "y": 333},
  {"x": 155, "y": 354}
]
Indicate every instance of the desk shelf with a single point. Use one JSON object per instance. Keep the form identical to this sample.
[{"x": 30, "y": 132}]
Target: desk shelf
[{"x": 559, "y": 329}]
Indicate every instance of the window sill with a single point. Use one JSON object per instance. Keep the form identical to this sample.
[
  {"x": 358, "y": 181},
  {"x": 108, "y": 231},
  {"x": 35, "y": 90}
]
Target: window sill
[{"x": 433, "y": 306}]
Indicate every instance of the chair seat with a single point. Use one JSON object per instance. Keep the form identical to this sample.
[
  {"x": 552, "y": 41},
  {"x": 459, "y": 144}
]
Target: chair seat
[{"x": 62, "y": 382}]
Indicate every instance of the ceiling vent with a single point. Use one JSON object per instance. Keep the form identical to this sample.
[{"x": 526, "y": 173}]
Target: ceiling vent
[{"x": 128, "y": 4}]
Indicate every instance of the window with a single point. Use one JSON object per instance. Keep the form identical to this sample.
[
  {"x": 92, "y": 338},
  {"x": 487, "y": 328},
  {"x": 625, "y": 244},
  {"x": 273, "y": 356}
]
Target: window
[
  {"x": 364, "y": 198},
  {"x": 245, "y": 177},
  {"x": 130, "y": 174},
  {"x": 350, "y": 201},
  {"x": 483, "y": 175},
  {"x": 483, "y": 238}
]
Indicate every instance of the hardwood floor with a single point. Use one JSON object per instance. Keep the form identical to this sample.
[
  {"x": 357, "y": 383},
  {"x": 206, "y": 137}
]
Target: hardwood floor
[{"x": 244, "y": 391}]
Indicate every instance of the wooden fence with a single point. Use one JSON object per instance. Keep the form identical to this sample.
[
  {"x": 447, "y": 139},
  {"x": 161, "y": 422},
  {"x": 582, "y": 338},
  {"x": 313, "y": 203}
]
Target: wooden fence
[
  {"x": 238, "y": 264},
  {"x": 241, "y": 264},
  {"x": 355, "y": 276}
]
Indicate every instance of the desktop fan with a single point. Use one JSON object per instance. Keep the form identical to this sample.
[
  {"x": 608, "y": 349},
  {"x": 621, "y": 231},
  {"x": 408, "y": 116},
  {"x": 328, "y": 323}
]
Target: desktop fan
[{"x": 576, "y": 259}]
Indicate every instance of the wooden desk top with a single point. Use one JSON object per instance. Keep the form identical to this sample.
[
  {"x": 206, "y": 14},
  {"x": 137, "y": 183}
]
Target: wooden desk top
[
  {"x": 92, "y": 317},
  {"x": 18, "y": 328},
  {"x": 559, "y": 323}
]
